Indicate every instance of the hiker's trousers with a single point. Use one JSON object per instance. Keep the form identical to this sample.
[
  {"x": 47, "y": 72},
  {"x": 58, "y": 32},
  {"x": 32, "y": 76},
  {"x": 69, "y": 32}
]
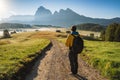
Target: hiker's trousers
[{"x": 73, "y": 57}]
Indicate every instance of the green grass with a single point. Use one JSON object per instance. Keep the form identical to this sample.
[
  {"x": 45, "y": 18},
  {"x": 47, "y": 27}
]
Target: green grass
[
  {"x": 105, "y": 56},
  {"x": 16, "y": 51}
]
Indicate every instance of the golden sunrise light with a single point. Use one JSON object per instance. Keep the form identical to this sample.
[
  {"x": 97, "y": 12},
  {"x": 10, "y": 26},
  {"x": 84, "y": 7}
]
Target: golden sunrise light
[{"x": 3, "y": 8}]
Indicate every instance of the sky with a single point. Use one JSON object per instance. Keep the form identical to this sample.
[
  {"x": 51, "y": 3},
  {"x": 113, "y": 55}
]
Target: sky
[{"x": 90, "y": 8}]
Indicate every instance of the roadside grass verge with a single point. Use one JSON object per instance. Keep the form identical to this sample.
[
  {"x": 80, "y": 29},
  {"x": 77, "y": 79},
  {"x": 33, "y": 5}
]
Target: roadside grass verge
[
  {"x": 18, "y": 51},
  {"x": 105, "y": 56}
]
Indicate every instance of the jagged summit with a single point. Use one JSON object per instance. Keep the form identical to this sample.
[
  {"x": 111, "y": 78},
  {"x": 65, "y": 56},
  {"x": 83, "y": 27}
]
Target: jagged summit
[
  {"x": 41, "y": 7},
  {"x": 61, "y": 10},
  {"x": 68, "y": 9},
  {"x": 42, "y": 11},
  {"x": 55, "y": 13},
  {"x": 63, "y": 17}
]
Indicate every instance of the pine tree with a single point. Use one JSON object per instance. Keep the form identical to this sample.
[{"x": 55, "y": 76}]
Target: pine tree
[
  {"x": 112, "y": 32},
  {"x": 102, "y": 35},
  {"x": 117, "y": 34}
]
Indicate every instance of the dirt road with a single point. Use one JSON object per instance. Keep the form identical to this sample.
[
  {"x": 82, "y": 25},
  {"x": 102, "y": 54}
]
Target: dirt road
[{"x": 54, "y": 65}]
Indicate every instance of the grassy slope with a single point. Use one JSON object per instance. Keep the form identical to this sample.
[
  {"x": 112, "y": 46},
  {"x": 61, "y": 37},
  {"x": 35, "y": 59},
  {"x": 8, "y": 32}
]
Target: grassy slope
[
  {"x": 19, "y": 49},
  {"x": 104, "y": 56}
]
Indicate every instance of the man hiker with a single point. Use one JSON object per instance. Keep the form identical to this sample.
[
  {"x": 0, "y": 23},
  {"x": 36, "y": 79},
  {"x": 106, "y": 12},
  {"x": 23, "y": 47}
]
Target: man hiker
[{"x": 73, "y": 54}]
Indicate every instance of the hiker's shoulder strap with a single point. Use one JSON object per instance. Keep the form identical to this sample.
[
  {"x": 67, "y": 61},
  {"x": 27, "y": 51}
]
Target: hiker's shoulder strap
[{"x": 75, "y": 35}]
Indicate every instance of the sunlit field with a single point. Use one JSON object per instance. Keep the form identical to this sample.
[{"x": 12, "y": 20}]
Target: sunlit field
[
  {"x": 18, "y": 50},
  {"x": 24, "y": 47},
  {"x": 105, "y": 56},
  {"x": 30, "y": 28}
]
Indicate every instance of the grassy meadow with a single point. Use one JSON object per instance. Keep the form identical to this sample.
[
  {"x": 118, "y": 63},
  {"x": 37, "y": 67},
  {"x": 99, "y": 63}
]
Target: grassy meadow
[
  {"x": 24, "y": 47},
  {"x": 105, "y": 56},
  {"x": 18, "y": 50}
]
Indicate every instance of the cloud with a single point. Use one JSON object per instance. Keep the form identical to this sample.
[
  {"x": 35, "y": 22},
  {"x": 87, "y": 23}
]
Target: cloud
[
  {"x": 7, "y": 14},
  {"x": 12, "y": 13}
]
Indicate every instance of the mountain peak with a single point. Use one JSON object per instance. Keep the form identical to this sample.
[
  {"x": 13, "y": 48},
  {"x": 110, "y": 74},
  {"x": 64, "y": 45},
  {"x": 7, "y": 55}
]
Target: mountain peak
[
  {"x": 61, "y": 10},
  {"x": 41, "y": 7},
  {"x": 42, "y": 11},
  {"x": 68, "y": 9},
  {"x": 55, "y": 13},
  {"x": 63, "y": 17}
]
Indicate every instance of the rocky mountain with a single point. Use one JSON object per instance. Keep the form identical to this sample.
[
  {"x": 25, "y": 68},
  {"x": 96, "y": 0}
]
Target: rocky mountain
[
  {"x": 42, "y": 16},
  {"x": 63, "y": 18},
  {"x": 43, "y": 12}
]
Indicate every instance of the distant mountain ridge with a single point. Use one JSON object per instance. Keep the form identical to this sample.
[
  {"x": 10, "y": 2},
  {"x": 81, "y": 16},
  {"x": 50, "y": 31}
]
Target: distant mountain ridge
[{"x": 63, "y": 18}]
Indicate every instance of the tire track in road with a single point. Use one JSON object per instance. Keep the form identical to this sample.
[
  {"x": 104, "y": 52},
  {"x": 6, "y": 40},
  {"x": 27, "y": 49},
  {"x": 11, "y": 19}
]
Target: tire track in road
[{"x": 55, "y": 66}]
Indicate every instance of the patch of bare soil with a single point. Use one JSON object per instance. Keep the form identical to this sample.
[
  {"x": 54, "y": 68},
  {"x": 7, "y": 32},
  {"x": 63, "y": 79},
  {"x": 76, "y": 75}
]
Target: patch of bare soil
[{"x": 54, "y": 65}]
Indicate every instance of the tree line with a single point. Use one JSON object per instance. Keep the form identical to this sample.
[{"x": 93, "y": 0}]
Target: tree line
[
  {"x": 14, "y": 26},
  {"x": 91, "y": 27},
  {"x": 112, "y": 33}
]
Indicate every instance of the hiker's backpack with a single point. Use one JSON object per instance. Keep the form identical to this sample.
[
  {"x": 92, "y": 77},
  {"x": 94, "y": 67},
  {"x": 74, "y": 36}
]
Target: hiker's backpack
[{"x": 78, "y": 44}]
